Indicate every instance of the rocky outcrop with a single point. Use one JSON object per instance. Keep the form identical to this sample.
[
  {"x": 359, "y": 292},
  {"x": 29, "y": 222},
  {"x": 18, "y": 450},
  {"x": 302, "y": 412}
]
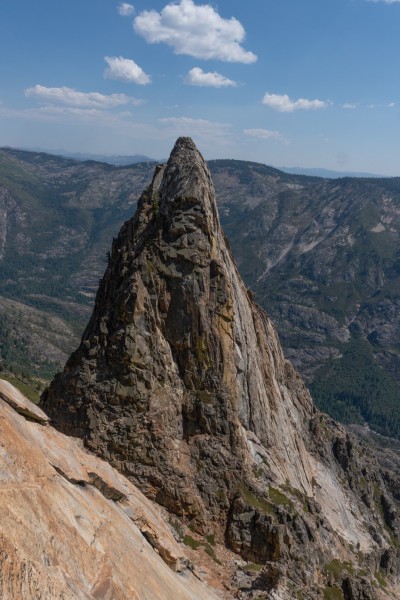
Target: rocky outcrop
[
  {"x": 181, "y": 384},
  {"x": 320, "y": 255},
  {"x": 179, "y": 359},
  {"x": 72, "y": 527}
]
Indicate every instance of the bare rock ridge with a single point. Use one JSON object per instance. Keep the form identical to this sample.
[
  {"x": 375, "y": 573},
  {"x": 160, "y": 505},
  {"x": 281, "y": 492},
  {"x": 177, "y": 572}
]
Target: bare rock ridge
[
  {"x": 181, "y": 384},
  {"x": 73, "y": 528}
]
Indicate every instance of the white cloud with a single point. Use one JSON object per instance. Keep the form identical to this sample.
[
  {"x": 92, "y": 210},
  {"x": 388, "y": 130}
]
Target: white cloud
[
  {"x": 72, "y": 111},
  {"x": 201, "y": 128},
  {"x": 189, "y": 122},
  {"x": 125, "y": 69},
  {"x": 197, "y": 31},
  {"x": 284, "y": 104},
  {"x": 349, "y": 105},
  {"x": 197, "y": 76},
  {"x": 391, "y": 104},
  {"x": 125, "y": 9},
  {"x": 70, "y": 97},
  {"x": 67, "y": 113},
  {"x": 265, "y": 134},
  {"x": 385, "y": 1}
]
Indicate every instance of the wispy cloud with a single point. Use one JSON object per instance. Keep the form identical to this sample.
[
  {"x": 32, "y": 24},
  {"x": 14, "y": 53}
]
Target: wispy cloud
[
  {"x": 125, "y": 69},
  {"x": 194, "y": 30},
  {"x": 265, "y": 134},
  {"x": 70, "y": 97},
  {"x": 385, "y": 1},
  {"x": 67, "y": 113},
  {"x": 125, "y": 9},
  {"x": 86, "y": 114},
  {"x": 197, "y": 76},
  {"x": 350, "y": 105},
  {"x": 282, "y": 103},
  {"x": 201, "y": 128}
]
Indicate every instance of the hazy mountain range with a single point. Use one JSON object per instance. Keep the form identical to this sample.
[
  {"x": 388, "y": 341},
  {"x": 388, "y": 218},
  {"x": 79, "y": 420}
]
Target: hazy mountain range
[
  {"x": 320, "y": 255},
  {"x": 121, "y": 160}
]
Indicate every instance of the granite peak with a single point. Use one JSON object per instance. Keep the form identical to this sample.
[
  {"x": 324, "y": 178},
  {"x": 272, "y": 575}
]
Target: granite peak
[{"x": 181, "y": 384}]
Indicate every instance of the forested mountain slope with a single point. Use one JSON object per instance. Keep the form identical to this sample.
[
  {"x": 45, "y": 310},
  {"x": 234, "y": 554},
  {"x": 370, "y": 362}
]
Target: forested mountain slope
[{"x": 322, "y": 256}]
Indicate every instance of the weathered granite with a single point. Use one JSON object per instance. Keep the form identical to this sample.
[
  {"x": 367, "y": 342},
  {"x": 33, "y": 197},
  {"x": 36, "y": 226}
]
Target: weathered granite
[
  {"x": 181, "y": 384},
  {"x": 73, "y": 528}
]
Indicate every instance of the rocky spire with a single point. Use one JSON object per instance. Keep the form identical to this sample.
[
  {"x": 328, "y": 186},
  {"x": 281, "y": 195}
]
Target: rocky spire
[
  {"x": 180, "y": 382},
  {"x": 178, "y": 369}
]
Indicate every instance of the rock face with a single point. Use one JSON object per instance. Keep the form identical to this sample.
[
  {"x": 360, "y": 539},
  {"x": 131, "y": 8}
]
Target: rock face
[
  {"x": 72, "y": 527},
  {"x": 322, "y": 256},
  {"x": 177, "y": 365},
  {"x": 181, "y": 384}
]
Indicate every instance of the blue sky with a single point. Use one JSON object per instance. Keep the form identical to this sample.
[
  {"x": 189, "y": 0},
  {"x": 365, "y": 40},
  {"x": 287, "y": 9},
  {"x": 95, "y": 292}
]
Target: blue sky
[{"x": 312, "y": 83}]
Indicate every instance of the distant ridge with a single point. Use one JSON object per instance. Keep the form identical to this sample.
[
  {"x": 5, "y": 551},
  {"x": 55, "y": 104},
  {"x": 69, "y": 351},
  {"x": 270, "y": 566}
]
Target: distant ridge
[
  {"x": 327, "y": 173},
  {"x": 113, "y": 159},
  {"x": 122, "y": 160}
]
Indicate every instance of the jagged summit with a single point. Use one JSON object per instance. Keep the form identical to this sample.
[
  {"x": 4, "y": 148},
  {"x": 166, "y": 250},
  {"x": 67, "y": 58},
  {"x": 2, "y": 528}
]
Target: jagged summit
[
  {"x": 187, "y": 176},
  {"x": 186, "y": 173},
  {"x": 180, "y": 382}
]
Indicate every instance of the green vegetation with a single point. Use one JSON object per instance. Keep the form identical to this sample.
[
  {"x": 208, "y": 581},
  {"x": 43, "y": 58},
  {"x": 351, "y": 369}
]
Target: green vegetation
[
  {"x": 258, "y": 471},
  {"x": 268, "y": 506},
  {"x": 18, "y": 357},
  {"x": 30, "y": 389},
  {"x": 61, "y": 216},
  {"x": 354, "y": 389},
  {"x": 381, "y": 579},
  {"x": 191, "y": 542},
  {"x": 155, "y": 203},
  {"x": 337, "y": 569},
  {"x": 211, "y": 552},
  {"x": 204, "y": 396},
  {"x": 297, "y": 494},
  {"x": 253, "y": 567},
  {"x": 333, "y": 593},
  {"x": 279, "y": 498},
  {"x": 211, "y": 539},
  {"x": 202, "y": 351},
  {"x": 177, "y": 527},
  {"x": 257, "y": 503}
]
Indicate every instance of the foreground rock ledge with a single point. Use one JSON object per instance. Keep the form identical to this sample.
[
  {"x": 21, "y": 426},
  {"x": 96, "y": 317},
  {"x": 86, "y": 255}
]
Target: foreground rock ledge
[{"x": 73, "y": 528}]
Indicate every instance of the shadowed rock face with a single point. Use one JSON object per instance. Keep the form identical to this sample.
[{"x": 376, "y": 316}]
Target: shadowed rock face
[{"x": 180, "y": 383}]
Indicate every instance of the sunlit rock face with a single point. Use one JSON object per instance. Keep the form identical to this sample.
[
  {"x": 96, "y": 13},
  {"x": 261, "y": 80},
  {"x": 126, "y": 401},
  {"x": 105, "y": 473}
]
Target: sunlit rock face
[
  {"x": 72, "y": 527},
  {"x": 181, "y": 384}
]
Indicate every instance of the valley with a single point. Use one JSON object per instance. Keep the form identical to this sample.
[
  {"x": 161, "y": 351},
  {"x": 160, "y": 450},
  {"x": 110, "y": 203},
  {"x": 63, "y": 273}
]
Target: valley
[{"x": 320, "y": 255}]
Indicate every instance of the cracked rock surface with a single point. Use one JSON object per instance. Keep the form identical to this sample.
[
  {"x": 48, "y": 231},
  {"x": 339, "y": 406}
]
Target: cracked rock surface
[
  {"x": 73, "y": 528},
  {"x": 181, "y": 384}
]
